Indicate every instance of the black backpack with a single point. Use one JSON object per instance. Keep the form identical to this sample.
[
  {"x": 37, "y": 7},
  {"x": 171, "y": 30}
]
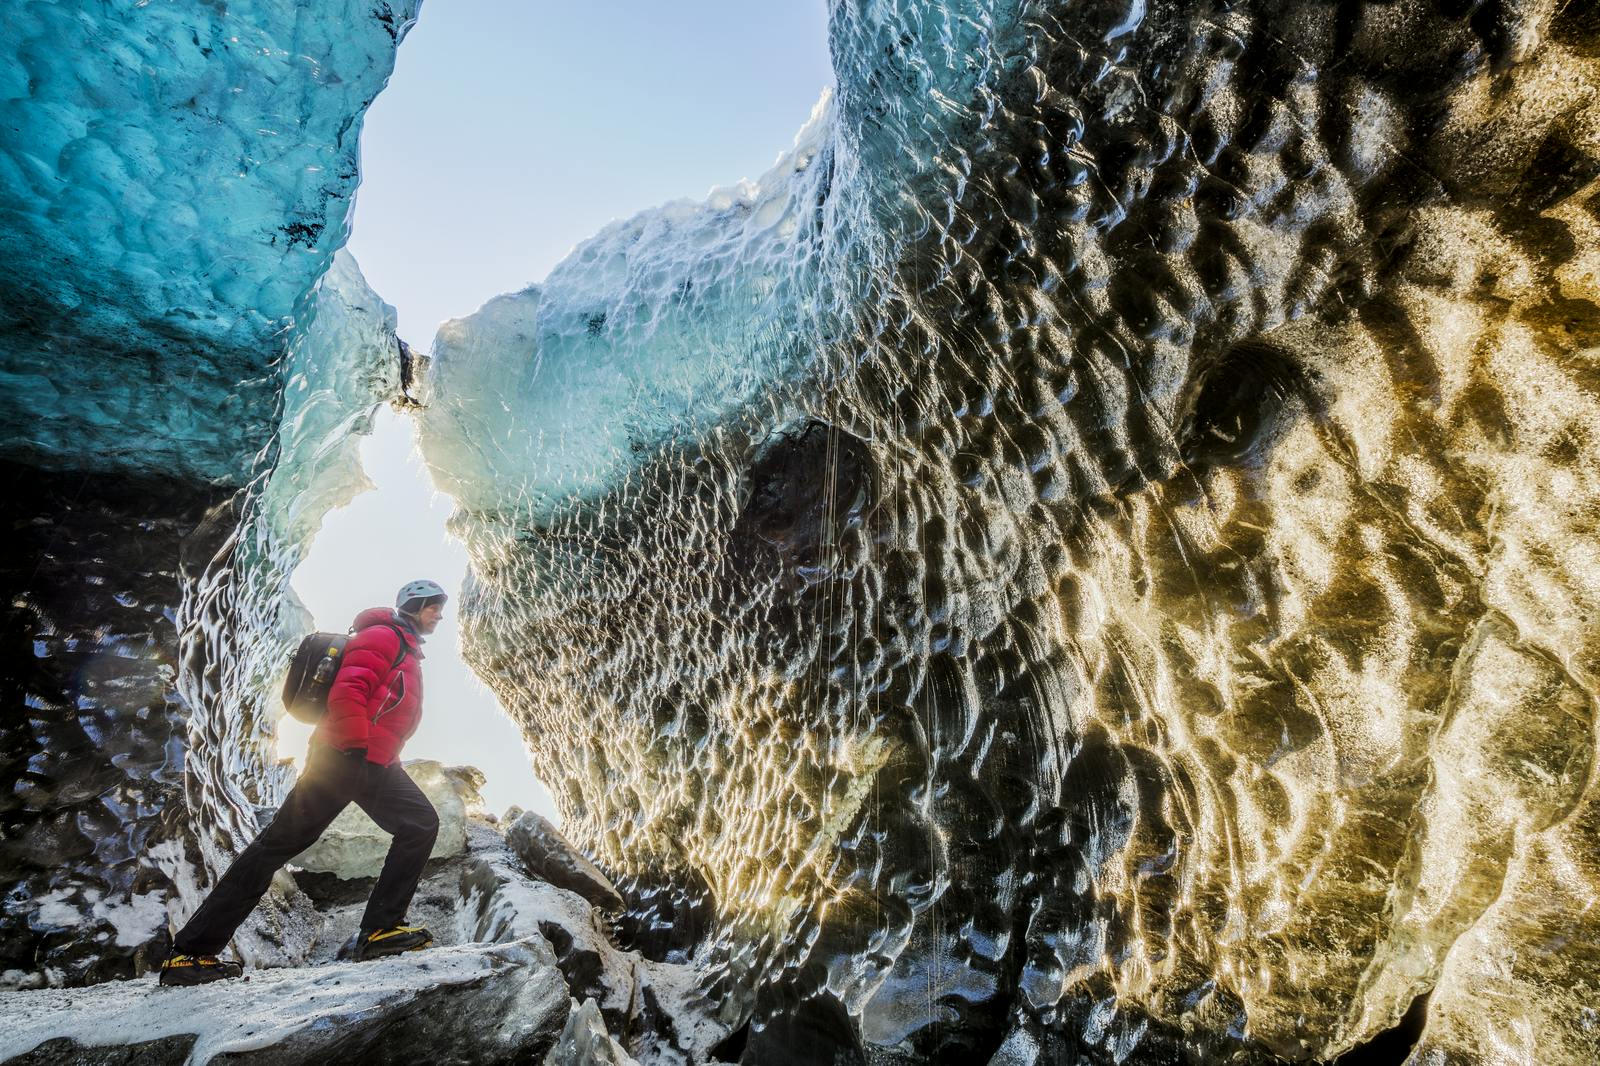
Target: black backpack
[{"x": 312, "y": 668}]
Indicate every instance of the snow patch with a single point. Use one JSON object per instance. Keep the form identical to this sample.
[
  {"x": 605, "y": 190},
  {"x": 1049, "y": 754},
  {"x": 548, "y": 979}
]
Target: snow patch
[
  {"x": 237, "y": 1016},
  {"x": 135, "y": 919},
  {"x": 55, "y": 909}
]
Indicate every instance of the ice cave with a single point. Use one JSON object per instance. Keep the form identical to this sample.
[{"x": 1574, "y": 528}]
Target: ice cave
[{"x": 1093, "y": 558}]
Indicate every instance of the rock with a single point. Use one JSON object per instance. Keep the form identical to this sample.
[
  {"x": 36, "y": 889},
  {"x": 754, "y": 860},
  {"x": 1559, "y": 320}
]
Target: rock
[
  {"x": 341, "y": 904},
  {"x": 354, "y": 846},
  {"x": 585, "y": 1042},
  {"x": 468, "y": 1004},
  {"x": 656, "y": 1007},
  {"x": 515, "y": 958},
  {"x": 172, "y": 1051},
  {"x": 550, "y": 857}
]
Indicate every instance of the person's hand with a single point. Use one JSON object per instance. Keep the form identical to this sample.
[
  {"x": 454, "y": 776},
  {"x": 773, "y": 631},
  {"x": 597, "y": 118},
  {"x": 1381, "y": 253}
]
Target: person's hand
[{"x": 359, "y": 767}]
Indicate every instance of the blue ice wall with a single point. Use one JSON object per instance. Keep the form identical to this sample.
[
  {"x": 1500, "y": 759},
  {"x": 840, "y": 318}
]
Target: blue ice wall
[{"x": 174, "y": 178}]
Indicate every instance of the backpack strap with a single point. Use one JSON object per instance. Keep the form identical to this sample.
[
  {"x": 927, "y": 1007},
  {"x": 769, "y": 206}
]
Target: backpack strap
[{"x": 399, "y": 656}]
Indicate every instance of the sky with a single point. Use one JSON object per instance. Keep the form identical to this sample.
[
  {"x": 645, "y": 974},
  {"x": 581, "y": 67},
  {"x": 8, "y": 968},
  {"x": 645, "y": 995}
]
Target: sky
[{"x": 510, "y": 131}]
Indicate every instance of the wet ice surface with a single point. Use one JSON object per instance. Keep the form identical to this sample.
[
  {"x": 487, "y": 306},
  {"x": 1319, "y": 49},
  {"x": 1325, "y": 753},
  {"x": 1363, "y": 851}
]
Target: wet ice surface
[{"x": 94, "y": 745}]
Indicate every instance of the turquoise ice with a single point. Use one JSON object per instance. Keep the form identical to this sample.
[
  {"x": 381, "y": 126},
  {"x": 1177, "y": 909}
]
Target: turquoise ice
[{"x": 174, "y": 178}]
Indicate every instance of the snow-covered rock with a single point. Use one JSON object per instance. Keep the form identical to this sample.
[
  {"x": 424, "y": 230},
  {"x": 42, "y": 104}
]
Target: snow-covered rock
[
  {"x": 354, "y": 846},
  {"x": 656, "y": 1006},
  {"x": 513, "y": 957}
]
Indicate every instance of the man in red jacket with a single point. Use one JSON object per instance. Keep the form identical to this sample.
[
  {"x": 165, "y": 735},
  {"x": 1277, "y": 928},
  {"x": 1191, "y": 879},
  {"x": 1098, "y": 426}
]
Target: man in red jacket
[{"x": 374, "y": 706}]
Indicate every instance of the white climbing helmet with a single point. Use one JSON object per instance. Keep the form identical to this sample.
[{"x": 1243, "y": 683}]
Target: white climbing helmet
[{"x": 415, "y": 595}]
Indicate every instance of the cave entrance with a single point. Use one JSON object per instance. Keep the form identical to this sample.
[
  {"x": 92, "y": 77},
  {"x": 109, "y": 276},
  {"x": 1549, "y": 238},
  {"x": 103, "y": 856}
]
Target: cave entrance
[
  {"x": 484, "y": 161},
  {"x": 362, "y": 554},
  {"x": 510, "y": 132}
]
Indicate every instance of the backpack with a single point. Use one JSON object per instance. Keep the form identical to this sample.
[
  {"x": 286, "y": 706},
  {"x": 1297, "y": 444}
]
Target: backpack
[{"x": 312, "y": 669}]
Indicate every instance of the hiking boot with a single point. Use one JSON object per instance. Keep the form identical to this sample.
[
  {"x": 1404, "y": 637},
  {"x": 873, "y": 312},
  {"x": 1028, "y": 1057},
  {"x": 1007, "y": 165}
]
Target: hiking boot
[
  {"x": 392, "y": 941},
  {"x": 183, "y": 969}
]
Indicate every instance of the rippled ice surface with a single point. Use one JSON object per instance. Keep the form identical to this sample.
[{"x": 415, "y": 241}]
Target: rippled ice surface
[
  {"x": 1096, "y": 550},
  {"x": 1094, "y": 554},
  {"x": 174, "y": 178}
]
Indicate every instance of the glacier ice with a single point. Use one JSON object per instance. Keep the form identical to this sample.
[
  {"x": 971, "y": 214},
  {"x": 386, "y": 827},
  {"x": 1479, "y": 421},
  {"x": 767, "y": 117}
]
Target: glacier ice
[
  {"x": 1092, "y": 556},
  {"x": 174, "y": 178},
  {"x": 657, "y": 327}
]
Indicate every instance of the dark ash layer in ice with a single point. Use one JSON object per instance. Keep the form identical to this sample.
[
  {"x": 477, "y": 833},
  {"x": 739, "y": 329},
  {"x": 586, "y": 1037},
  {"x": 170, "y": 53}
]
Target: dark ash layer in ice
[{"x": 93, "y": 731}]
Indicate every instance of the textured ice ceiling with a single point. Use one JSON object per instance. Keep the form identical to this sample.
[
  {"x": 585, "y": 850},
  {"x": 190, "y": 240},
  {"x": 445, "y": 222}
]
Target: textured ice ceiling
[
  {"x": 1092, "y": 556},
  {"x": 174, "y": 178}
]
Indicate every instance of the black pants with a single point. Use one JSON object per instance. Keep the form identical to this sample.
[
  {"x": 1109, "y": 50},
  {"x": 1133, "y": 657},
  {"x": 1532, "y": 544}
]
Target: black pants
[{"x": 332, "y": 779}]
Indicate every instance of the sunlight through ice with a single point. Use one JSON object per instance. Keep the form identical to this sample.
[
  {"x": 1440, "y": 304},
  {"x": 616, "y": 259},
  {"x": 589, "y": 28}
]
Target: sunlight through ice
[{"x": 361, "y": 556}]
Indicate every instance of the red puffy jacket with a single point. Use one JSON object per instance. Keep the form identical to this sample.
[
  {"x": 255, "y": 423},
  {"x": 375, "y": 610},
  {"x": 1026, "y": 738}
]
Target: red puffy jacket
[{"x": 375, "y": 704}]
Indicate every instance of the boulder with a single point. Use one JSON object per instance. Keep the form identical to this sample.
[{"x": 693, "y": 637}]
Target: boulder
[
  {"x": 656, "y": 1008},
  {"x": 354, "y": 846},
  {"x": 550, "y": 857}
]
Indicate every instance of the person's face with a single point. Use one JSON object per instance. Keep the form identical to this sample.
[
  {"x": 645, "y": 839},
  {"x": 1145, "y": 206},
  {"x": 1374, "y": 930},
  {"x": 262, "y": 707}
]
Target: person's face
[{"x": 428, "y": 620}]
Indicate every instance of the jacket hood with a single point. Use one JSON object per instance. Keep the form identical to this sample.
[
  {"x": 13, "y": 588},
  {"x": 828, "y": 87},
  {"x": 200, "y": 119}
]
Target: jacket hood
[{"x": 388, "y": 616}]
